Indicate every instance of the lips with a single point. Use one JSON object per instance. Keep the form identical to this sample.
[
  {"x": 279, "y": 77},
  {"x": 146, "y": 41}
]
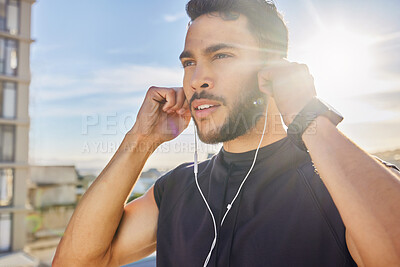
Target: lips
[{"x": 204, "y": 107}]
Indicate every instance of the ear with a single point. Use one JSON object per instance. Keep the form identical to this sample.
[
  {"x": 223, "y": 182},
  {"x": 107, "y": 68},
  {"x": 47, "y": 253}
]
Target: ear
[{"x": 264, "y": 82}]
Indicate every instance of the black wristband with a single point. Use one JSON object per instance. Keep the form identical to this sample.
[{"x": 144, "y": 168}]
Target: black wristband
[{"x": 306, "y": 116}]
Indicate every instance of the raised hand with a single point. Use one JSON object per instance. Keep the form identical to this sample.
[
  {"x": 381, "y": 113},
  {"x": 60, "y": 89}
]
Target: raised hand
[
  {"x": 290, "y": 84},
  {"x": 163, "y": 115}
]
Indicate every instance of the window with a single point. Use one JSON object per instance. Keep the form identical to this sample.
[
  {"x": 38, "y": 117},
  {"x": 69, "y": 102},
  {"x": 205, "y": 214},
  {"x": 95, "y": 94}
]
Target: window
[
  {"x": 12, "y": 17},
  {"x": 6, "y": 197},
  {"x": 8, "y": 100},
  {"x": 8, "y": 57},
  {"x": 9, "y": 16},
  {"x": 6, "y": 187},
  {"x": 11, "y": 63},
  {"x": 5, "y": 232},
  {"x": 3, "y": 14},
  {"x": 7, "y": 137}
]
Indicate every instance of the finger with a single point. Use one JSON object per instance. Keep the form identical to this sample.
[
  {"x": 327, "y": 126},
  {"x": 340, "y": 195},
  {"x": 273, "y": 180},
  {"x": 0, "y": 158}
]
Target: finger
[
  {"x": 272, "y": 68},
  {"x": 304, "y": 67},
  {"x": 265, "y": 84},
  {"x": 185, "y": 108},
  {"x": 164, "y": 96},
  {"x": 180, "y": 99}
]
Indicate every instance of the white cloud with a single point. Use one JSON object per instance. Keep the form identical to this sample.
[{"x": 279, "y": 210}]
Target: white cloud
[
  {"x": 122, "y": 79},
  {"x": 125, "y": 51},
  {"x": 55, "y": 81},
  {"x": 135, "y": 78},
  {"x": 374, "y": 136},
  {"x": 102, "y": 90},
  {"x": 173, "y": 17}
]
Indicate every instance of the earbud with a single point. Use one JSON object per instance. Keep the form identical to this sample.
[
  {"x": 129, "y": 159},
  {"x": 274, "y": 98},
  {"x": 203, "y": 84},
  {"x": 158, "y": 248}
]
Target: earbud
[{"x": 259, "y": 101}]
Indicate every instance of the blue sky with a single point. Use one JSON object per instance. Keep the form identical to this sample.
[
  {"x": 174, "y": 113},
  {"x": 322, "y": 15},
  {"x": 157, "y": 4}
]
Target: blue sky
[{"x": 93, "y": 61}]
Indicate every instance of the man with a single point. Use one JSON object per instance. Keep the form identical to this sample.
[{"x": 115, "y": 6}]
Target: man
[{"x": 279, "y": 211}]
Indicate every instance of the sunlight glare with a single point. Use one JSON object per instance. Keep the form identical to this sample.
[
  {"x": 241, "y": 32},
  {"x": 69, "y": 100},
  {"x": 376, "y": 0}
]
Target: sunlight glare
[{"x": 339, "y": 59}]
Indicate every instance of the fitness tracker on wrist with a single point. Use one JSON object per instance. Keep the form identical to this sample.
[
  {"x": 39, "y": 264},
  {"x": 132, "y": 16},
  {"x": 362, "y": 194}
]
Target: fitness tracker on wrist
[{"x": 315, "y": 108}]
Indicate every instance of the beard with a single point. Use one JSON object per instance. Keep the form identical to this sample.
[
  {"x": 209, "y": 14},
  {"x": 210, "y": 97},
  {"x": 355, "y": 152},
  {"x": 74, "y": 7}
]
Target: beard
[{"x": 243, "y": 116}]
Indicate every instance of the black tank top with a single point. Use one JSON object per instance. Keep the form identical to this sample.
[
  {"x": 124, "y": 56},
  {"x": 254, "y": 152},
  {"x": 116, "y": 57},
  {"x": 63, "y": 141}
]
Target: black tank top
[{"x": 284, "y": 215}]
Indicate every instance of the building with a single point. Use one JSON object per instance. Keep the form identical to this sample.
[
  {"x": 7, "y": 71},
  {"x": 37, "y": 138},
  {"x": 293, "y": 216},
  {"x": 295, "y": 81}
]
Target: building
[
  {"x": 15, "y": 41},
  {"x": 52, "y": 197}
]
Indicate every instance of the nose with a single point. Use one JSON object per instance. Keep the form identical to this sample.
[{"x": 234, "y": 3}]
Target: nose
[{"x": 202, "y": 78}]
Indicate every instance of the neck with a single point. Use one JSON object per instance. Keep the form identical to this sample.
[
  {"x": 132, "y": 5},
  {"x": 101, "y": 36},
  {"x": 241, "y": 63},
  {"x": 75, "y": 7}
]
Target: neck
[{"x": 250, "y": 141}]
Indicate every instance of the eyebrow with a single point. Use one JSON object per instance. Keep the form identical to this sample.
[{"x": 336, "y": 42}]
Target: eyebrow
[
  {"x": 209, "y": 50},
  {"x": 185, "y": 54}
]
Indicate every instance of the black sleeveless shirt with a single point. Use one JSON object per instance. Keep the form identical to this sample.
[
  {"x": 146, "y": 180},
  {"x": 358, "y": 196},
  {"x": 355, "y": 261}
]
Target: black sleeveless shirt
[{"x": 284, "y": 215}]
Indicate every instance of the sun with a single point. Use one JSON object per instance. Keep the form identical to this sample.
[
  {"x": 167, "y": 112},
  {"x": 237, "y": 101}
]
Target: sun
[{"x": 338, "y": 58}]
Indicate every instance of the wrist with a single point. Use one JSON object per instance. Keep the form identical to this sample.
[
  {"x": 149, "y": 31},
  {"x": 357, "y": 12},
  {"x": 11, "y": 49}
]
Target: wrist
[
  {"x": 138, "y": 142},
  {"x": 319, "y": 130},
  {"x": 308, "y": 116}
]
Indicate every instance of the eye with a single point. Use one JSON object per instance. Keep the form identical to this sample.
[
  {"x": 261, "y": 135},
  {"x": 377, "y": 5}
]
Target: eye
[
  {"x": 188, "y": 63},
  {"x": 221, "y": 56}
]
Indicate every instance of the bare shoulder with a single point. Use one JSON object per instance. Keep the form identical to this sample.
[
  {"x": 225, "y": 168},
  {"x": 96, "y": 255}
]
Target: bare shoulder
[{"x": 136, "y": 236}]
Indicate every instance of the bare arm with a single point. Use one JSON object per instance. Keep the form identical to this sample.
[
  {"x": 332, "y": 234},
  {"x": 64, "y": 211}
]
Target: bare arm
[
  {"x": 366, "y": 193},
  {"x": 104, "y": 232},
  {"x": 138, "y": 223},
  {"x": 88, "y": 237}
]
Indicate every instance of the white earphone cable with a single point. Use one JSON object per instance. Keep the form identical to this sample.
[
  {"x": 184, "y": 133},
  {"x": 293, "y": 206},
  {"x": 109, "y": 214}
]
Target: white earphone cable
[
  {"x": 195, "y": 167},
  {"x": 229, "y": 206}
]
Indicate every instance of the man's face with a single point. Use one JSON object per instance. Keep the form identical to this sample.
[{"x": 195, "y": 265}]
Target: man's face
[{"x": 221, "y": 60}]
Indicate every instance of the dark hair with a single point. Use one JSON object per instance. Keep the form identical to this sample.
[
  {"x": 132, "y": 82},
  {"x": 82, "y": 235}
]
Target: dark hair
[{"x": 265, "y": 22}]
